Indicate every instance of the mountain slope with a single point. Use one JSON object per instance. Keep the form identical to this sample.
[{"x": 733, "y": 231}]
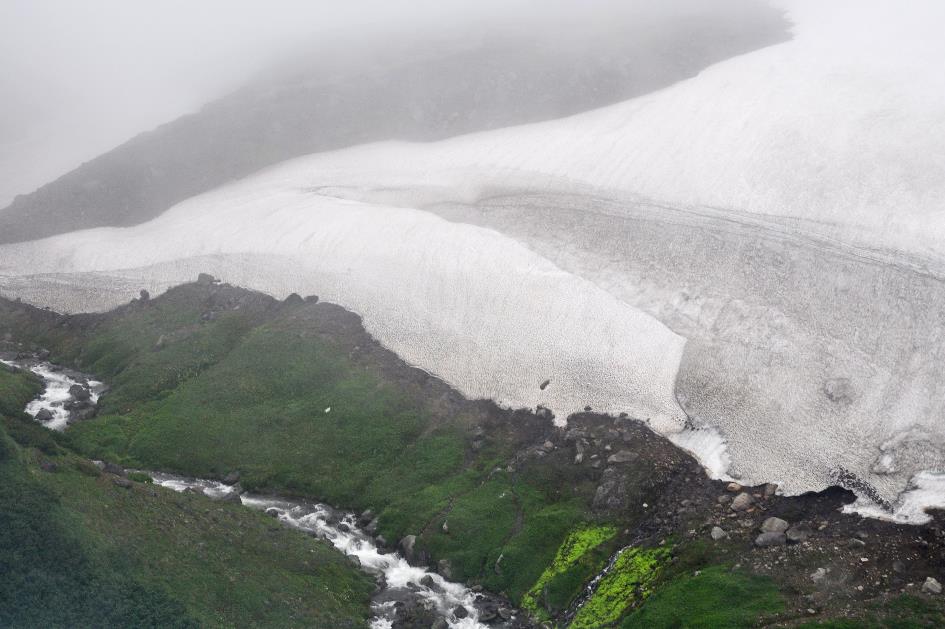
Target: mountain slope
[{"x": 452, "y": 89}]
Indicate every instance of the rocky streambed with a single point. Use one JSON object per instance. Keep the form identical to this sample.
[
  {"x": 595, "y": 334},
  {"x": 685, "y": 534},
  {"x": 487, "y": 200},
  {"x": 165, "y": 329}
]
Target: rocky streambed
[
  {"x": 407, "y": 595},
  {"x": 68, "y": 397}
]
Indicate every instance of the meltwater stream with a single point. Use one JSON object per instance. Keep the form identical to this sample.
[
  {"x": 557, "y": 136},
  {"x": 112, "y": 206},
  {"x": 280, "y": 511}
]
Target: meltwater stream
[{"x": 400, "y": 582}]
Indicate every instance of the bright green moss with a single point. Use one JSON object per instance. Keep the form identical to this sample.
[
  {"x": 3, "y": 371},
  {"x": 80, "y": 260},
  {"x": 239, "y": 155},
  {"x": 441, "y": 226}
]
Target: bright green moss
[
  {"x": 575, "y": 546},
  {"x": 628, "y": 582}
]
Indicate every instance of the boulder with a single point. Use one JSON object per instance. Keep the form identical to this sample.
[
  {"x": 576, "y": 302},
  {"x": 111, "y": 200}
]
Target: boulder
[
  {"x": 232, "y": 478},
  {"x": 272, "y": 512},
  {"x": 774, "y": 525},
  {"x": 798, "y": 534},
  {"x": 742, "y": 502},
  {"x": 230, "y": 496},
  {"x": 122, "y": 482},
  {"x": 80, "y": 393},
  {"x": 733, "y": 487},
  {"x": 624, "y": 456},
  {"x": 430, "y": 583},
  {"x": 111, "y": 468},
  {"x": 440, "y": 623},
  {"x": 544, "y": 384},
  {"x": 371, "y": 527},
  {"x": 460, "y": 612},
  {"x": 406, "y": 546},
  {"x": 294, "y": 299},
  {"x": 770, "y": 539},
  {"x": 717, "y": 533},
  {"x": 144, "y": 295},
  {"x": 445, "y": 569},
  {"x": 44, "y": 415},
  {"x": 205, "y": 279},
  {"x": 931, "y": 586},
  {"x": 818, "y": 575}
]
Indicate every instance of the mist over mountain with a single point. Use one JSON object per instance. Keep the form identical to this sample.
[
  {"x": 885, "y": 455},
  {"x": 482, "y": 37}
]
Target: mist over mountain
[
  {"x": 502, "y": 314},
  {"x": 445, "y": 85}
]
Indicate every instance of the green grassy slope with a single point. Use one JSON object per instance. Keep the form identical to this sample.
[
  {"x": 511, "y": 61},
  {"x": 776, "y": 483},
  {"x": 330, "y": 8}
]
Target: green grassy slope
[
  {"x": 247, "y": 387},
  {"x": 78, "y": 550}
]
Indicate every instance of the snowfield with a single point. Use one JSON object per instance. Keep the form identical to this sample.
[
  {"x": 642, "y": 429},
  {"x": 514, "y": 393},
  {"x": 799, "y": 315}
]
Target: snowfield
[{"x": 760, "y": 246}]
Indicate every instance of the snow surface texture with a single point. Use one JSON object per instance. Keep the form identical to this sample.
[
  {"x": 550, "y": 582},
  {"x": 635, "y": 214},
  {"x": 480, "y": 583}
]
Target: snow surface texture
[{"x": 782, "y": 211}]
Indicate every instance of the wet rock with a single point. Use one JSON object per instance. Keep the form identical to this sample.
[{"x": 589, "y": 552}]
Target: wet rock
[
  {"x": 445, "y": 569},
  {"x": 742, "y": 502},
  {"x": 544, "y": 385},
  {"x": 544, "y": 413},
  {"x": 80, "y": 393},
  {"x": 548, "y": 446},
  {"x": 717, "y": 533},
  {"x": 460, "y": 612},
  {"x": 774, "y": 525},
  {"x": 770, "y": 489},
  {"x": 624, "y": 456},
  {"x": 344, "y": 528},
  {"x": 798, "y": 534},
  {"x": 406, "y": 546},
  {"x": 371, "y": 527},
  {"x": 931, "y": 586},
  {"x": 272, "y": 512},
  {"x": 733, "y": 487},
  {"x": 505, "y": 613},
  {"x": 430, "y": 583},
  {"x": 232, "y": 478},
  {"x": 366, "y": 516},
  {"x": 230, "y": 497},
  {"x": 770, "y": 539},
  {"x": 440, "y": 623},
  {"x": 111, "y": 468},
  {"x": 44, "y": 415}
]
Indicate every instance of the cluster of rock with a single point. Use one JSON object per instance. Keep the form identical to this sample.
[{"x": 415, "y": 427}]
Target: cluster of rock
[
  {"x": 774, "y": 531},
  {"x": 417, "y": 611}
]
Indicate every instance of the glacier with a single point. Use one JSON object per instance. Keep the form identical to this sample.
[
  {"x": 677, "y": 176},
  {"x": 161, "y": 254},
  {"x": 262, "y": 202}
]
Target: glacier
[{"x": 750, "y": 259}]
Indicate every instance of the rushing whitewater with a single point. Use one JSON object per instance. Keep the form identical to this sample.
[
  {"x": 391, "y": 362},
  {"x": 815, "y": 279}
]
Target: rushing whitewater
[{"x": 755, "y": 253}]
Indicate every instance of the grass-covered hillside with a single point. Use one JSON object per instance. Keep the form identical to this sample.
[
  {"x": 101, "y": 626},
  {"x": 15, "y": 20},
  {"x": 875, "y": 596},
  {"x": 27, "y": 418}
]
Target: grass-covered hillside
[
  {"x": 296, "y": 397},
  {"x": 79, "y": 550}
]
